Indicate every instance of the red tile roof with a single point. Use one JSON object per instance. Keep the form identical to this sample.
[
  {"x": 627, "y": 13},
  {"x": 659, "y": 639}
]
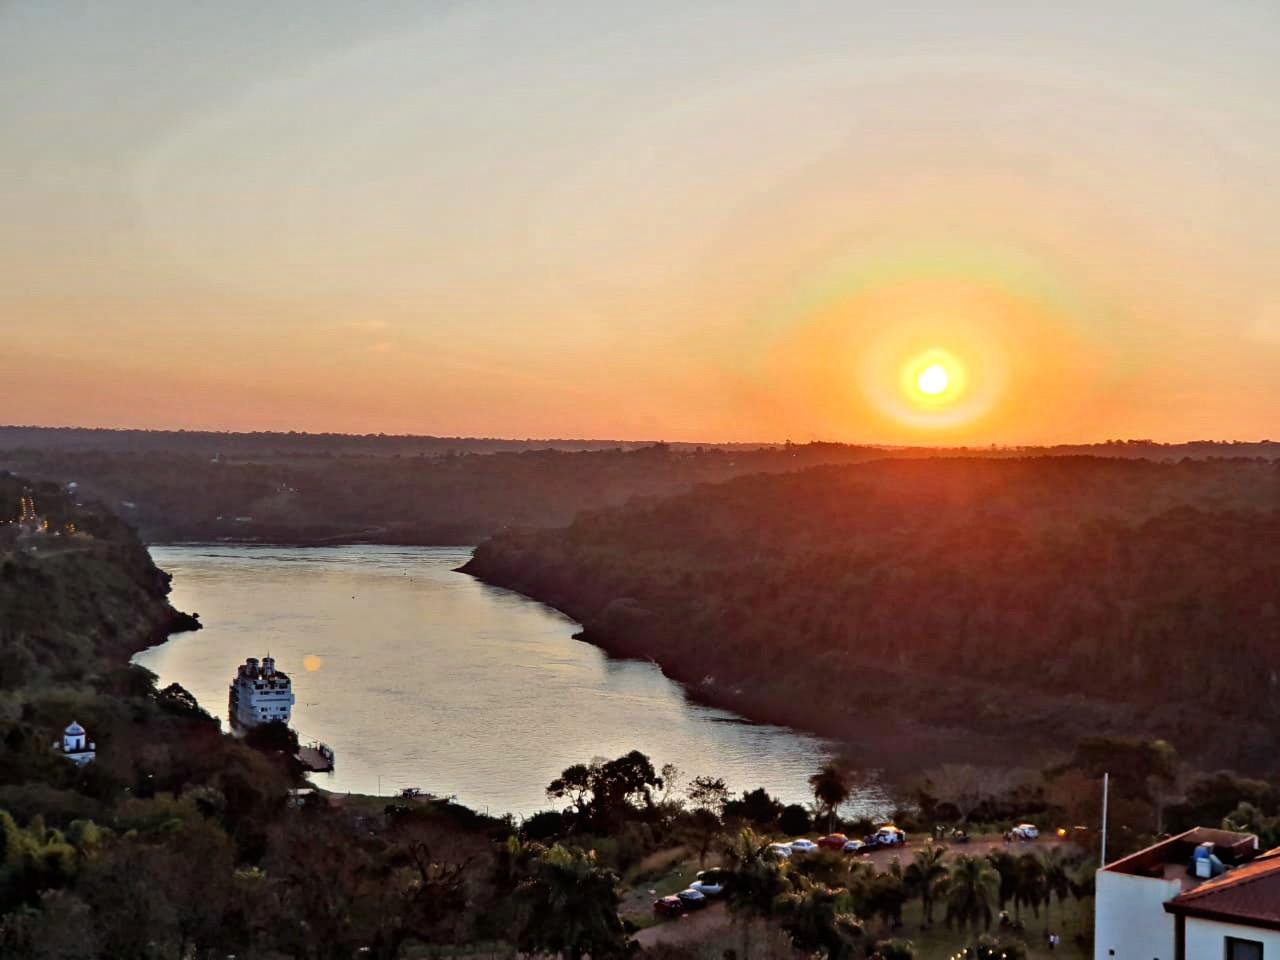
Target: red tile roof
[{"x": 1248, "y": 895}]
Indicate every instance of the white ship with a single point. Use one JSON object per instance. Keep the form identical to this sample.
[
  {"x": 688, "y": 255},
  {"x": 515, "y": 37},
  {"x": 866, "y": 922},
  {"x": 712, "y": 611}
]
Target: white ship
[{"x": 260, "y": 694}]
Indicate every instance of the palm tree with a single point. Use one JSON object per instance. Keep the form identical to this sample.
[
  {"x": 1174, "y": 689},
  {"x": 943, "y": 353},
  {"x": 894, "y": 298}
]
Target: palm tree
[
  {"x": 755, "y": 881},
  {"x": 888, "y": 891},
  {"x": 830, "y": 787},
  {"x": 1057, "y": 879},
  {"x": 972, "y": 892},
  {"x": 818, "y": 918},
  {"x": 926, "y": 877},
  {"x": 570, "y": 907},
  {"x": 1083, "y": 878},
  {"x": 1030, "y": 888},
  {"x": 1006, "y": 865}
]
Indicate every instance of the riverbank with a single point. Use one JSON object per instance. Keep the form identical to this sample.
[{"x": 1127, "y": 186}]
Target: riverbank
[{"x": 869, "y": 731}]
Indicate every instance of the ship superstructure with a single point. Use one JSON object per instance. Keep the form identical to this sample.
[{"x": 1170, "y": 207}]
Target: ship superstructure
[{"x": 260, "y": 694}]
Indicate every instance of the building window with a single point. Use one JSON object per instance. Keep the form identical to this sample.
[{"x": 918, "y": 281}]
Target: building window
[{"x": 1237, "y": 949}]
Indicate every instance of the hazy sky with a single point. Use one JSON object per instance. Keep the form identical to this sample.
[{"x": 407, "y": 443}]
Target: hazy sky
[{"x": 662, "y": 220}]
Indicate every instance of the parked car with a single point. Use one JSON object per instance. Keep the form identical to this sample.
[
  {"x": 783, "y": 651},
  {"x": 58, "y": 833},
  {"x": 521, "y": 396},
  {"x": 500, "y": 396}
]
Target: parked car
[
  {"x": 779, "y": 850},
  {"x": 833, "y": 841},
  {"x": 855, "y": 846},
  {"x": 803, "y": 845},
  {"x": 890, "y": 836},
  {"x": 710, "y": 883},
  {"x": 1025, "y": 831},
  {"x": 692, "y": 899},
  {"x": 668, "y": 907}
]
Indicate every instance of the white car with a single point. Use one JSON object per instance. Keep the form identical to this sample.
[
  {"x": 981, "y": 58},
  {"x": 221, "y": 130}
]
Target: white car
[
  {"x": 803, "y": 846},
  {"x": 890, "y": 836},
  {"x": 1025, "y": 831},
  {"x": 780, "y": 850},
  {"x": 710, "y": 883},
  {"x": 853, "y": 846}
]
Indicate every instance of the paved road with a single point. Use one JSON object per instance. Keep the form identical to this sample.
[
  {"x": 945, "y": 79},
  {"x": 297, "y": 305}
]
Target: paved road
[{"x": 689, "y": 928}]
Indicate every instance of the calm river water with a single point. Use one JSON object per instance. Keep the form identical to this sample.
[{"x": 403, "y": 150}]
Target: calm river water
[{"x": 420, "y": 676}]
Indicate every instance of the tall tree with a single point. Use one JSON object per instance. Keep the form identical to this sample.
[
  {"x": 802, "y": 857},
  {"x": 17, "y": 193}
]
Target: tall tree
[
  {"x": 604, "y": 795},
  {"x": 699, "y": 828},
  {"x": 818, "y": 918},
  {"x": 830, "y": 786},
  {"x": 569, "y": 908},
  {"x": 755, "y": 882},
  {"x": 708, "y": 793},
  {"x": 1057, "y": 879},
  {"x": 1006, "y": 865},
  {"x": 926, "y": 877},
  {"x": 1030, "y": 886},
  {"x": 887, "y": 894},
  {"x": 972, "y": 893}
]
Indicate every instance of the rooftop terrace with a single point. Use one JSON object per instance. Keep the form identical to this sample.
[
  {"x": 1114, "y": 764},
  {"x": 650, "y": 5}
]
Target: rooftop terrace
[{"x": 1171, "y": 859}]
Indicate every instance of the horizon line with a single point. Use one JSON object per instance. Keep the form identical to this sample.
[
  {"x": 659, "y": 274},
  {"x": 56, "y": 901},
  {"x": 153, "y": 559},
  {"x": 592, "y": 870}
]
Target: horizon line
[{"x": 643, "y": 441}]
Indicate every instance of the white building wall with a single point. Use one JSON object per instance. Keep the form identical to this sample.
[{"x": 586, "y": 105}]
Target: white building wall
[
  {"x": 1130, "y": 919},
  {"x": 1206, "y": 939}
]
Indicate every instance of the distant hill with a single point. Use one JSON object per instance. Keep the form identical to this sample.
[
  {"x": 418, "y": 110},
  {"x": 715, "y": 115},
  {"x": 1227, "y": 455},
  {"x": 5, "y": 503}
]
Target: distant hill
[
  {"x": 270, "y": 444},
  {"x": 1048, "y": 597},
  {"x": 333, "y": 488},
  {"x": 322, "y": 495}
]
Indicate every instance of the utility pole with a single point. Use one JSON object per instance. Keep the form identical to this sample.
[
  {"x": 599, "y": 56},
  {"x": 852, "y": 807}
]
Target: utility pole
[{"x": 1106, "y": 789}]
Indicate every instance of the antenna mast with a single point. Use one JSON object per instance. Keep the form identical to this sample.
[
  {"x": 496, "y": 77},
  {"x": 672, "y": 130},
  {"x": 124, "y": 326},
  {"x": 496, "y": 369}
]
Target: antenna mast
[{"x": 1106, "y": 789}]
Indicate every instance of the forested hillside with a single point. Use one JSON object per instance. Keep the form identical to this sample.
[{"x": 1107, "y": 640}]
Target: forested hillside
[
  {"x": 305, "y": 495},
  {"x": 1050, "y": 596},
  {"x": 77, "y": 588},
  {"x": 330, "y": 488}
]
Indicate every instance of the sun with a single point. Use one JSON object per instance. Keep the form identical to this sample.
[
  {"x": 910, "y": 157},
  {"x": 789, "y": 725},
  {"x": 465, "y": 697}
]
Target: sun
[{"x": 933, "y": 380}]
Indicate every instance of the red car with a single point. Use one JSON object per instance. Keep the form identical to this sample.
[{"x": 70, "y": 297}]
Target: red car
[
  {"x": 833, "y": 841},
  {"x": 671, "y": 906}
]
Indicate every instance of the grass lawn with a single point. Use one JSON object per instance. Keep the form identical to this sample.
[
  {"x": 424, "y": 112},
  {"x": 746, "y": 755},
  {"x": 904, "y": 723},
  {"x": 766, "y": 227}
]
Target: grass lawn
[{"x": 663, "y": 873}]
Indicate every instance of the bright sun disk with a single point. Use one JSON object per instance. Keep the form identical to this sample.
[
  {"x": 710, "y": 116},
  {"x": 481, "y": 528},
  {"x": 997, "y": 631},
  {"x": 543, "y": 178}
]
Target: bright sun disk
[{"x": 933, "y": 379}]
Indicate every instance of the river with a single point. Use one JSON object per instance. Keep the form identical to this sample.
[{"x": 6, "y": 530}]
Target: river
[{"x": 421, "y": 676}]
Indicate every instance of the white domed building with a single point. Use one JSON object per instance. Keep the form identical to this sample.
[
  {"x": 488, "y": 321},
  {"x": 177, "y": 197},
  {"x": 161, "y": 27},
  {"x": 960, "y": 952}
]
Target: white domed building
[{"x": 76, "y": 746}]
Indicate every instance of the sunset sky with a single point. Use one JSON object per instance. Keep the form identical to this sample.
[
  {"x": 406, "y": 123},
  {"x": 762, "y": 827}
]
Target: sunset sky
[{"x": 689, "y": 221}]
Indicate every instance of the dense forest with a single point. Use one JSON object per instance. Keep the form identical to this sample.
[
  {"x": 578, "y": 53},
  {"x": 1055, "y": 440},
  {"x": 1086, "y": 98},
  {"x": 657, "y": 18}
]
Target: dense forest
[
  {"x": 1038, "y": 597},
  {"x": 330, "y": 488}
]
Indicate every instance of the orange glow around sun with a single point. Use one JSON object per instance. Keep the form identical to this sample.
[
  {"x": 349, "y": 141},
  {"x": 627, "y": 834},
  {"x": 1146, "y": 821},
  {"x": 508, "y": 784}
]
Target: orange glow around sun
[{"x": 934, "y": 347}]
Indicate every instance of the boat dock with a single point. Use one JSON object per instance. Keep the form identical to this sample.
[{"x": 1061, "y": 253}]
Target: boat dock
[{"x": 316, "y": 757}]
